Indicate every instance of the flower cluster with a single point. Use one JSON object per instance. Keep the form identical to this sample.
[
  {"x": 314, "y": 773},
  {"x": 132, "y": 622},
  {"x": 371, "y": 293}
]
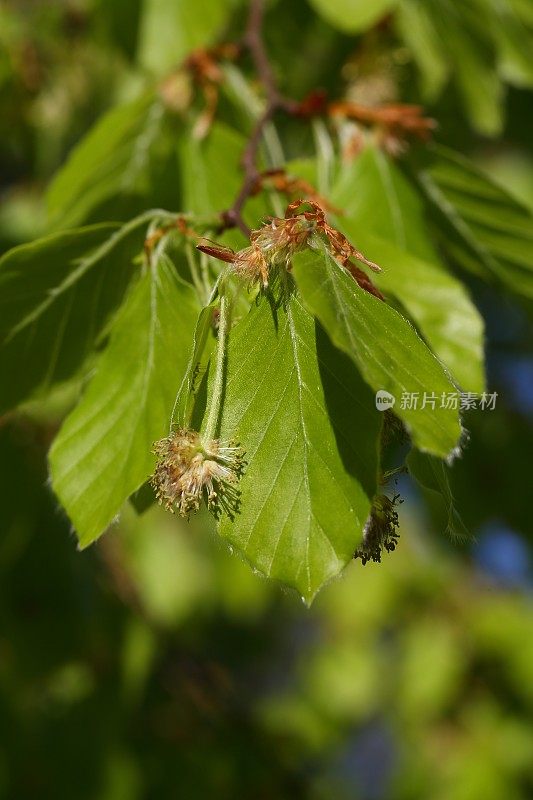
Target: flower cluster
[
  {"x": 380, "y": 530},
  {"x": 274, "y": 244},
  {"x": 190, "y": 469},
  {"x": 251, "y": 265},
  {"x": 271, "y": 246}
]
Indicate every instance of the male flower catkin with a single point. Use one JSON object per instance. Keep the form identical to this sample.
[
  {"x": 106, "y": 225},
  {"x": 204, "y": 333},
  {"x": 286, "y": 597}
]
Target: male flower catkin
[
  {"x": 190, "y": 469},
  {"x": 381, "y": 529}
]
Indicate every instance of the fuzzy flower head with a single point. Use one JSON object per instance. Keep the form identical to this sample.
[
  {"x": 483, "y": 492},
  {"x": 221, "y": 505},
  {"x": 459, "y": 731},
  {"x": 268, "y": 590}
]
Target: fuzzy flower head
[
  {"x": 275, "y": 243},
  {"x": 279, "y": 239},
  {"x": 381, "y": 530},
  {"x": 190, "y": 469},
  {"x": 252, "y": 265},
  {"x": 272, "y": 246}
]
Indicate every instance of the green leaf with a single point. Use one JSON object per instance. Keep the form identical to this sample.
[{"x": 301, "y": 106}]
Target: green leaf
[
  {"x": 56, "y": 295},
  {"x": 486, "y": 41},
  {"x": 211, "y": 173},
  {"x": 113, "y": 158},
  {"x": 310, "y": 430},
  {"x": 385, "y": 347},
  {"x": 439, "y": 305},
  {"x": 371, "y": 181},
  {"x": 352, "y": 16},
  {"x": 486, "y": 230},
  {"x": 432, "y": 475},
  {"x": 515, "y": 47},
  {"x": 416, "y": 26},
  {"x": 477, "y": 79},
  {"x": 523, "y": 11},
  {"x": 170, "y": 29},
  {"x": 436, "y": 301},
  {"x": 467, "y": 50},
  {"x": 210, "y": 169},
  {"x": 513, "y": 38},
  {"x": 203, "y": 343},
  {"x": 103, "y": 451}
]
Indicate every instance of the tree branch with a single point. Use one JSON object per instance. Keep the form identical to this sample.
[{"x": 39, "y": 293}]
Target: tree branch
[{"x": 232, "y": 217}]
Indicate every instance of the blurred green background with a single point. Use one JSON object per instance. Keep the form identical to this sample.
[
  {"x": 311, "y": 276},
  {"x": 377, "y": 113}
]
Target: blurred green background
[{"x": 156, "y": 664}]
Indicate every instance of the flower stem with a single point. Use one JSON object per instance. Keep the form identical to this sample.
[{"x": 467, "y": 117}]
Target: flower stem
[{"x": 210, "y": 430}]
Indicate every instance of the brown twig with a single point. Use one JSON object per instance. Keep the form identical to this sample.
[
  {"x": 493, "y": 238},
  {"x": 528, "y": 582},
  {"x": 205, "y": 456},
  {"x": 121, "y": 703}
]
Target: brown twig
[
  {"x": 275, "y": 101},
  {"x": 398, "y": 120}
]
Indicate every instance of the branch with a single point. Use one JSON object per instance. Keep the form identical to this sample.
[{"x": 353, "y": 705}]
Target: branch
[
  {"x": 232, "y": 217},
  {"x": 253, "y": 41},
  {"x": 398, "y": 119}
]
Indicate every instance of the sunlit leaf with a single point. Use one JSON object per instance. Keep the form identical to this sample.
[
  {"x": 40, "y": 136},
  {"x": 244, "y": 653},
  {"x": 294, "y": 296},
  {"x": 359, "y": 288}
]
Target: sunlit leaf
[
  {"x": 372, "y": 181},
  {"x": 170, "y": 29},
  {"x": 435, "y": 300},
  {"x": 103, "y": 451},
  {"x": 309, "y": 429},
  {"x": 211, "y": 173},
  {"x": 56, "y": 295},
  {"x": 353, "y": 16},
  {"x": 385, "y": 347},
  {"x": 111, "y": 159},
  {"x": 202, "y": 346},
  {"x": 210, "y": 169},
  {"x": 439, "y": 305}
]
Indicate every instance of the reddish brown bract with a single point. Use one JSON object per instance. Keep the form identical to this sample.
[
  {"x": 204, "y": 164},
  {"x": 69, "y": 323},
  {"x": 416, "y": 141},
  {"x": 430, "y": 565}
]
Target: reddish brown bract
[{"x": 279, "y": 238}]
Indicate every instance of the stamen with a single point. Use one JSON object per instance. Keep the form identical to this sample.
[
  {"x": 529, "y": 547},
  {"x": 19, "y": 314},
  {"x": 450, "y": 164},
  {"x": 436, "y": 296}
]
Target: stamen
[
  {"x": 380, "y": 530},
  {"x": 190, "y": 470}
]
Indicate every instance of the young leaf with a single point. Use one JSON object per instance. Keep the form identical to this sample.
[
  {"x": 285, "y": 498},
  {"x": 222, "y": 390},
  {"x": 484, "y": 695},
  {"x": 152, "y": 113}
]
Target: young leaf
[
  {"x": 211, "y": 172},
  {"x": 210, "y": 169},
  {"x": 112, "y": 159},
  {"x": 513, "y": 38},
  {"x": 170, "y": 29},
  {"x": 203, "y": 341},
  {"x": 467, "y": 52},
  {"x": 471, "y": 54},
  {"x": 435, "y": 300},
  {"x": 486, "y": 230},
  {"x": 523, "y": 11},
  {"x": 309, "y": 429},
  {"x": 372, "y": 180},
  {"x": 416, "y": 26},
  {"x": 384, "y": 346},
  {"x": 353, "y": 16},
  {"x": 56, "y": 295},
  {"x": 103, "y": 451}
]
